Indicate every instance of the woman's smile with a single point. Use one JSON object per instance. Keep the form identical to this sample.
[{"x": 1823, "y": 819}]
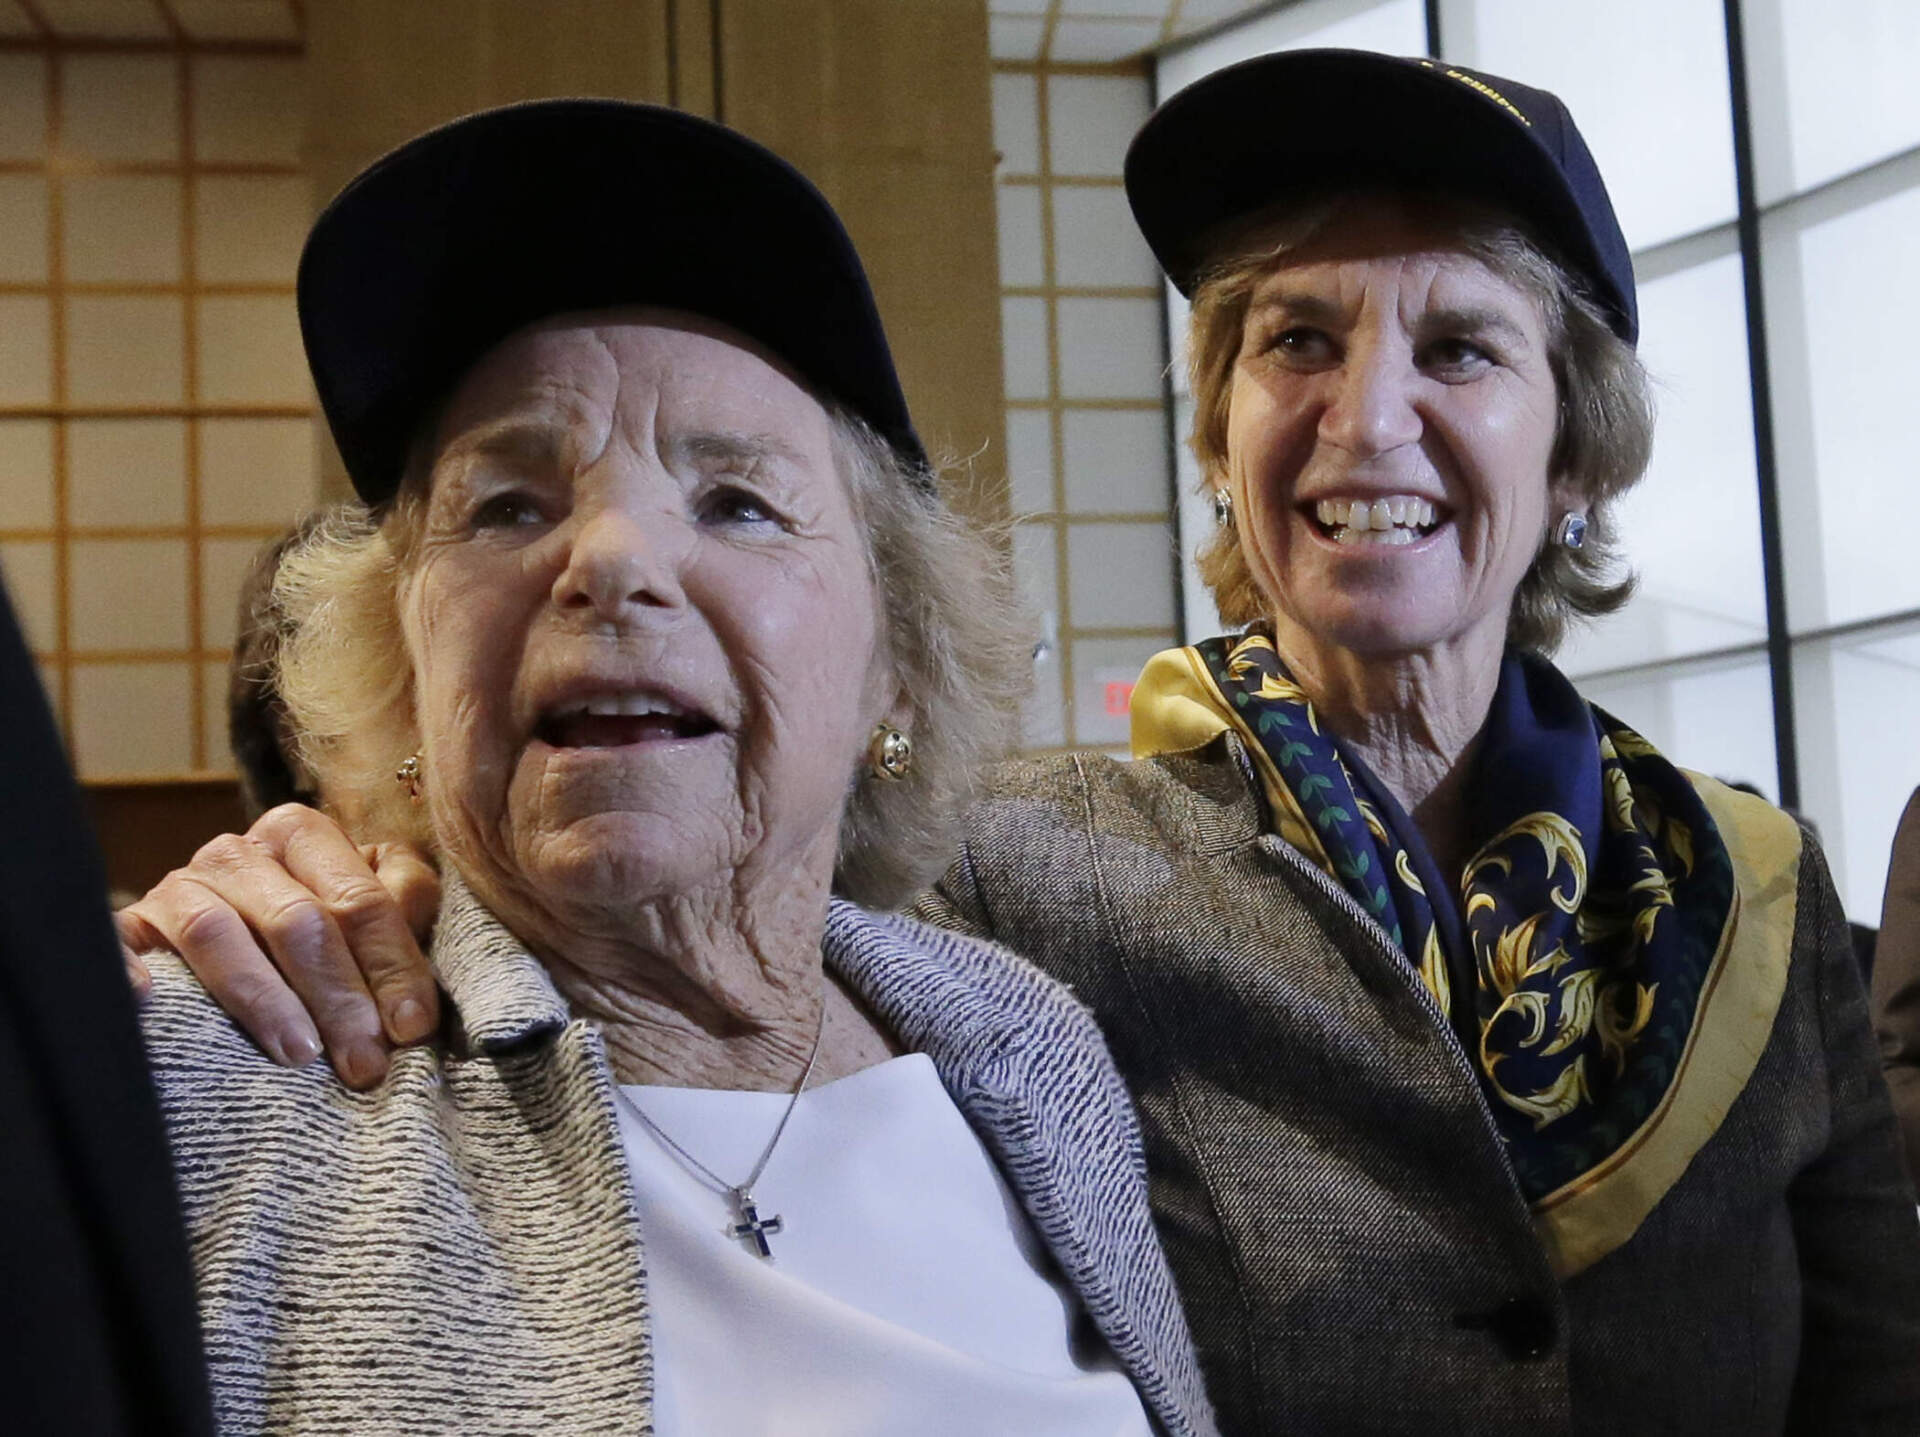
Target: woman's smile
[
  {"x": 622, "y": 718},
  {"x": 1385, "y": 521}
]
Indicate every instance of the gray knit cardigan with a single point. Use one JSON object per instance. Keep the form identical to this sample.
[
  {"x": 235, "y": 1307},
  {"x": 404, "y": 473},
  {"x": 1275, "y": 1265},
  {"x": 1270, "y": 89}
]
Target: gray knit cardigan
[{"x": 458, "y": 1250}]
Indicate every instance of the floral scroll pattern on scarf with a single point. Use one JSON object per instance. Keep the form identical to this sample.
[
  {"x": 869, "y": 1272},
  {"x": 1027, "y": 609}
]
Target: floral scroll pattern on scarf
[{"x": 1593, "y": 911}]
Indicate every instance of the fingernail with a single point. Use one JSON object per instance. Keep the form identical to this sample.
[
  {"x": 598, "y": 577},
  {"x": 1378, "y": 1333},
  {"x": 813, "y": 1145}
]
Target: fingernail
[
  {"x": 299, "y": 1046},
  {"x": 365, "y": 1064},
  {"x": 408, "y": 1020}
]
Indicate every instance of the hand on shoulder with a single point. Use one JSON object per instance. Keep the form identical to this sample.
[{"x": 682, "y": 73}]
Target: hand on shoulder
[{"x": 309, "y": 941}]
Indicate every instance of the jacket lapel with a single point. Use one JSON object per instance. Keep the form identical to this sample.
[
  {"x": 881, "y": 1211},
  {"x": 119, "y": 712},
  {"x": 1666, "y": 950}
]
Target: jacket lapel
[
  {"x": 501, "y": 993},
  {"x": 1026, "y": 1065},
  {"x": 531, "y": 1094}
]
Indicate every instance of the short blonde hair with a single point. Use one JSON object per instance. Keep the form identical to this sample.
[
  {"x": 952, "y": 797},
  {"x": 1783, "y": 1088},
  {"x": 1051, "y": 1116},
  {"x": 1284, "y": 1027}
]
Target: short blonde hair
[
  {"x": 1602, "y": 443},
  {"x": 958, "y": 641}
]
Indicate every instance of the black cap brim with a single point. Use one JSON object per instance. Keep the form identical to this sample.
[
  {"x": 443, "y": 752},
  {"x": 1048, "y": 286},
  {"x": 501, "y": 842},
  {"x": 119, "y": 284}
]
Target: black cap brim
[
  {"x": 473, "y": 231},
  {"x": 1307, "y": 122}
]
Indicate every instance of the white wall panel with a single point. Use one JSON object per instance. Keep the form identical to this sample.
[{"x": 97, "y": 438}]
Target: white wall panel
[
  {"x": 1856, "y": 701},
  {"x": 1691, "y": 528},
  {"x": 1843, "y": 306},
  {"x": 1833, "y": 87},
  {"x": 1714, "y": 718},
  {"x": 1646, "y": 81},
  {"x": 1395, "y": 27}
]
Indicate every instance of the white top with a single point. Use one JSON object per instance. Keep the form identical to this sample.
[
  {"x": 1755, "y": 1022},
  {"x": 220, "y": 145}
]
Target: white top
[{"x": 908, "y": 1293}]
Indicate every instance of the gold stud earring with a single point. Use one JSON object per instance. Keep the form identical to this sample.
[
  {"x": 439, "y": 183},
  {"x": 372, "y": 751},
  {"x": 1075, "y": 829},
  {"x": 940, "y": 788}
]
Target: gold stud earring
[
  {"x": 889, "y": 753},
  {"x": 408, "y": 775}
]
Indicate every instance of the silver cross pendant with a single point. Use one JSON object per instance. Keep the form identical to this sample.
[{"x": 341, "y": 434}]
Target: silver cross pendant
[{"x": 752, "y": 1229}]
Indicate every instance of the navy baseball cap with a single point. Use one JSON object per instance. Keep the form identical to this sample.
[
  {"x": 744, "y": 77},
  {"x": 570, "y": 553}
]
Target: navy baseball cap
[
  {"x": 1304, "y": 122},
  {"x": 460, "y": 237}
]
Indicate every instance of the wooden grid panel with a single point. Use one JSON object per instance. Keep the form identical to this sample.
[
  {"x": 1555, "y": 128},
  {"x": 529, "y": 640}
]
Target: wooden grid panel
[
  {"x": 119, "y": 23},
  {"x": 1064, "y": 34},
  {"x": 155, "y": 424},
  {"x": 1125, "y": 551}
]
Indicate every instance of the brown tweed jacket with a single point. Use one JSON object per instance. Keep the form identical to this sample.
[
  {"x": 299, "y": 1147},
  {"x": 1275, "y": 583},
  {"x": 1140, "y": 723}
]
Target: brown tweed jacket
[{"x": 1353, "y": 1251}]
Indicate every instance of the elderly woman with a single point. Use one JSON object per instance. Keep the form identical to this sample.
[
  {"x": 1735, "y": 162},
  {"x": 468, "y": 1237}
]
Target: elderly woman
[
  {"x": 1495, "y": 1073},
  {"x": 677, "y": 656}
]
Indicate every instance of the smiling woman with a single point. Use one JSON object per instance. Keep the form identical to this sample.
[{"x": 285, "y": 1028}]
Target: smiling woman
[
  {"x": 1495, "y": 1073},
  {"x": 641, "y": 625},
  {"x": 347, "y": 654},
  {"x": 1600, "y": 446},
  {"x": 1380, "y": 364},
  {"x": 655, "y": 612}
]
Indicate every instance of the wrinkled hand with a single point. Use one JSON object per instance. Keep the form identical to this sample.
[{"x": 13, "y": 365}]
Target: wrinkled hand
[{"x": 307, "y": 940}]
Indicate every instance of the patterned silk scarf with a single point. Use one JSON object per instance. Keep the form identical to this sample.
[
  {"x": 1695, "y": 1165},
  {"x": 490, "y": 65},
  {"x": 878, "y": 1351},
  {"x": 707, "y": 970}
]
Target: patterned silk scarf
[{"x": 1591, "y": 912}]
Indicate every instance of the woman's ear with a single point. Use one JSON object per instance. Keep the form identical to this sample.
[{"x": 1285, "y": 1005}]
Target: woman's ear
[
  {"x": 1565, "y": 497},
  {"x": 887, "y": 748},
  {"x": 900, "y": 714}
]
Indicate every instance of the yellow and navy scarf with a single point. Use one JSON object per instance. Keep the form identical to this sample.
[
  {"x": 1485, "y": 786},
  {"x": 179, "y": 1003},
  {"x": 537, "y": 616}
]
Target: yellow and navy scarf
[{"x": 1592, "y": 923}]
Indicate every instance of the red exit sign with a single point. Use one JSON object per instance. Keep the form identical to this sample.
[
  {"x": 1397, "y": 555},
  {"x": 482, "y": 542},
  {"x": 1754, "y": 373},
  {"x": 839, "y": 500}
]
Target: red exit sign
[{"x": 1119, "y": 697}]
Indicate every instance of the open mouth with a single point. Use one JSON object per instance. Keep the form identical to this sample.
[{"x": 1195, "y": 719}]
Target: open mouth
[
  {"x": 1400, "y": 519},
  {"x": 615, "y": 720}
]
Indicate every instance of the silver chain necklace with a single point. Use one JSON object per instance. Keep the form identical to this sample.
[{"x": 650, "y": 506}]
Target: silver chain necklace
[{"x": 747, "y": 1225}]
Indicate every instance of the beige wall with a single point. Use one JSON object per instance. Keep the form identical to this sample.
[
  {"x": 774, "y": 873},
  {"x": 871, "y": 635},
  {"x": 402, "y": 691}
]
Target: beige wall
[
  {"x": 886, "y": 105},
  {"x": 381, "y": 71}
]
